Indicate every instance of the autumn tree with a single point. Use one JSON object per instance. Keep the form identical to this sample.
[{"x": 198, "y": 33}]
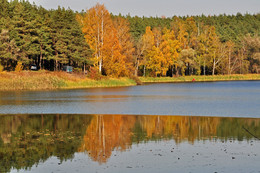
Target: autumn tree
[
  {"x": 147, "y": 43},
  {"x": 187, "y": 60},
  {"x": 185, "y": 32},
  {"x": 114, "y": 61},
  {"x": 242, "y": 57},
  {"x": 95, "y": 22},
  {"x": 157, "y": 32},
  {"x": 126, "y": 42},
  {"x": 252, "y": 45},
  {"x": 181, "y": 33},
  {"x": 230, "y": 49},
  {"x": 192, "y": 32},
  {"x": 214, "y": 42},
  {"x": 207, "y": 47},
  {"x": 50, "y": 39},
  {"x": 170, "y": 48},
  {"x": 156, "y": 61},
  {"x": 102, "y": 37}
]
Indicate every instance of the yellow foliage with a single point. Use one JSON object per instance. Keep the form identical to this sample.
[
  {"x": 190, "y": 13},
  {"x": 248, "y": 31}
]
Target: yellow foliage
[
  {"x": 19, "y": 66},
  {"x": 103, "y": 37},
  {"x": 115, "y": 132},
  {"x": 1, "y": 68},
  {"x": 126, "y": 43}
]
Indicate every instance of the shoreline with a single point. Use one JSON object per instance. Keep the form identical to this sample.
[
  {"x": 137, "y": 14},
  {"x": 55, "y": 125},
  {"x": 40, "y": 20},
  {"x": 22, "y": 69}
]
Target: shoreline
[
  {"x": 45, "y": 80},
  {"x": 187, "y": 79}
]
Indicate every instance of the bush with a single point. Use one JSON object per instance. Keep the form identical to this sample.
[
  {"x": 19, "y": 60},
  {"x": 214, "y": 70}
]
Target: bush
[
  {"x": 19, "y": 67},
  {"x": 77, "y": 70},
  {"x": 1, "y": 68},
  {"x": 94, "y": 74}
]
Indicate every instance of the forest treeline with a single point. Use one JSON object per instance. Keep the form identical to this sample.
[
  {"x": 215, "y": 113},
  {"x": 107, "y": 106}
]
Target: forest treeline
[{"x": 116, "y": 45}]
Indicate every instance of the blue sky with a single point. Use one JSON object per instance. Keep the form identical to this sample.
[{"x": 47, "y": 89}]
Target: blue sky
[{"x": 159, "y": 8}]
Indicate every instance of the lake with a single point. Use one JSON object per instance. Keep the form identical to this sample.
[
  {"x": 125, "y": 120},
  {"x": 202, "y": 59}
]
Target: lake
[
  {"x": 181, "y": 127},
  {"x": 232, "y": 99}
]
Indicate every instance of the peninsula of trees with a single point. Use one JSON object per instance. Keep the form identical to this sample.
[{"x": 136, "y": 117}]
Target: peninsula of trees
[{"x": 116, "y": 45}]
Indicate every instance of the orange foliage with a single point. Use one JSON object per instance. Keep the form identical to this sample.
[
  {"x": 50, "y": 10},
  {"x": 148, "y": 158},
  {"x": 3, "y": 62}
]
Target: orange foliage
[
  {"x": 148, "y": 39},
  {"x": 105, "y": 133},
  {"x": 181, "y": 33},
  {"x": 181, "y": 128},
  {"x": 170, "y": 48},
  {"x": 125, "y": 41},
  {"x": 102, "y": 37},
  {"x": 192, "y": 31},
  {"x": 109, "y": 132}
]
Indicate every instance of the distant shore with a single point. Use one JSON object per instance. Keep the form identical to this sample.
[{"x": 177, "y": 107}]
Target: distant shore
[
  {"x": 45, "y": 80},
  {"x": 233, "y": 77}
]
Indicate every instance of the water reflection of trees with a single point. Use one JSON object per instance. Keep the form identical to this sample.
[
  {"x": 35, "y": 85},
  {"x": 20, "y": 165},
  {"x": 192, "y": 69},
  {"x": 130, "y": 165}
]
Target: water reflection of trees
[
  {"x": 117, "y": 132},
  {"x": 106, "y": 133},
  {"x": 30, "y": 139},
  {"x": 27, "y": 140}
]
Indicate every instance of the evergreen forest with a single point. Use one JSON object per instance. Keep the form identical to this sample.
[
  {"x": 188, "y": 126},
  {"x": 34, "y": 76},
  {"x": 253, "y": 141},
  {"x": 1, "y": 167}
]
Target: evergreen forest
[{"x": 115, "y": 45}]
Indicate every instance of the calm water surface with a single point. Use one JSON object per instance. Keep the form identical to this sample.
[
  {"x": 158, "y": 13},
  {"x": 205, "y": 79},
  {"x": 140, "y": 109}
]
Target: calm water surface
[
  {"x": 120, "y": 130},
  {"x": 240, "y": 99},
  {"x": 127, "y": 143}
]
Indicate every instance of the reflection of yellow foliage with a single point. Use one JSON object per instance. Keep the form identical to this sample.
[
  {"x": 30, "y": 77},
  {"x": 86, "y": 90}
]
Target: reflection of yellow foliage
[
  {"x": 105, "y": 133},
  {"x": 181, "y": 128}
]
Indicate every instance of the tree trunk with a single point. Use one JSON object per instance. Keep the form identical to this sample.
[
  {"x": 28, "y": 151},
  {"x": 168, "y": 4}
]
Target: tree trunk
[
  {"x": 214, "y": 66},
  {"x": 40, "y": 63},
  {"x": 144, "y": 71},
  {"x": 56, "y": 65},
  {"x": 98, "y": 51},
  {"x": 84, "y": 67},
  {"x": 56, "y": 61},
  {"x": 102, "y": 42},
  {"x": 177, "y": 72},
  {"x": 136, "y": 68},
  {"x": 172, "y": 70},
  {"x": 229, "y": 63},
  {"x": 204, "y": 67},
  {"x": 100, "y": 65},
  {"x": 189, "y": 69}
]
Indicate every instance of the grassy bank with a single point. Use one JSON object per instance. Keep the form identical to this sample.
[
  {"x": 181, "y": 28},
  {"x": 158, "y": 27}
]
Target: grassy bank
[
  {"x": 60, "y": 80},
  {"x": 202, "y": 78},
  {"x": 55, "y": 80}
]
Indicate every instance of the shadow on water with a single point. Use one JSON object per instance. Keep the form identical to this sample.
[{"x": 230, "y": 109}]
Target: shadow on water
[{"x": 28, "y": 140}]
